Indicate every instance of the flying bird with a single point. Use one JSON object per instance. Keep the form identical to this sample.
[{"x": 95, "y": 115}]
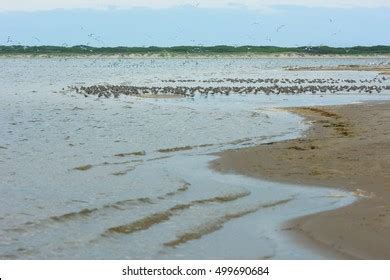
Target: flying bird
[
  {"x": 280, "y": 27},
  {"x": 335, "y": 33}
]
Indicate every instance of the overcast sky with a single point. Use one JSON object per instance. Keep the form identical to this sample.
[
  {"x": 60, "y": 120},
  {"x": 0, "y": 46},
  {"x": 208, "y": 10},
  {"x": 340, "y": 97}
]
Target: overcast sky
[{"x": 195, "y": 22}]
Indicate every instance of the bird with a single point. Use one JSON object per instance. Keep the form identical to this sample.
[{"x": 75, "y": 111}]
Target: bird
[
  {"x": 335, "y": 33},
  {"x": 280, "y": 27}
]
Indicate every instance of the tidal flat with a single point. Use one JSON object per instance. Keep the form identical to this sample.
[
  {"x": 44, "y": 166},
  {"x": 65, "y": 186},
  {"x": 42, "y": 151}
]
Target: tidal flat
[{"x": 90, "y": 172}]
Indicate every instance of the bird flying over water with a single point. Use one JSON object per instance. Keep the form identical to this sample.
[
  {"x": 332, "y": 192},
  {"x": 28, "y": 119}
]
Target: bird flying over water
[{"x": 280, "y": 27}]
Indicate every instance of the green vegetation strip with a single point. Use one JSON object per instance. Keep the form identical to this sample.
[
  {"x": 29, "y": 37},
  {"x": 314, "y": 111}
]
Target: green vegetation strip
[{"x": 191, "y": 50}]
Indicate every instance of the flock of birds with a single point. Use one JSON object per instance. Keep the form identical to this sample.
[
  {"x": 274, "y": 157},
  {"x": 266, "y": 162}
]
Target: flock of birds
[
  {"x": 269, "y": 86},
  {"x": 378, "y": 79},
  {"x": 94, "y": 39}
]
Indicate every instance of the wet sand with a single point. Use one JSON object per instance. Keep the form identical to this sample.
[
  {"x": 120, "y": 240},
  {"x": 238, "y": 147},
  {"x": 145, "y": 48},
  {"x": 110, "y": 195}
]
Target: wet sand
[
  {"x": 381, "y": 69},
  {"x": 385, "y": 72},
  {"x": 347, "y": 147}
]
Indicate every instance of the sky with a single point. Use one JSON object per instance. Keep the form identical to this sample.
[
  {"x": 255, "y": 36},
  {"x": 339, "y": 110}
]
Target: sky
[{"x": 340, "y": 23}]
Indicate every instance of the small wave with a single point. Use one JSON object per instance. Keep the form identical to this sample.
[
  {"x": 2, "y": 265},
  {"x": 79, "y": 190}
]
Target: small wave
[
  {"x": 114, "y": 163},
  {"x": 157, "y": 218},
  {"x": 83, "y": 167},
  {"x": 88, "y": 212},
  {"x": 123, "y": 172},
  {"x": 121, "y": 205},
  {"x": 140, "y": 153},
  {"x": 184, "y": 148},
  {"x": 199, "y": 232},
  {"x": 170, "y": 150},
  {"x": 74, "y": 215},
  {"x": 158, "y": 158},
  {"x": 181, "y": 189},
  {"x": 239, "y": 141}
]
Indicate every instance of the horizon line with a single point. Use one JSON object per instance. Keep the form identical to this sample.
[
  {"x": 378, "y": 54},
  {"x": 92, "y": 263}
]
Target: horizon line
[{"x": 199, "y": 46}]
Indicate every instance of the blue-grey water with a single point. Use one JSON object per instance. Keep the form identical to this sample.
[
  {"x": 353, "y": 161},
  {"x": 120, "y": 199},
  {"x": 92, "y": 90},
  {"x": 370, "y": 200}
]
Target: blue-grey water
[{"x": 128, "y": 177}]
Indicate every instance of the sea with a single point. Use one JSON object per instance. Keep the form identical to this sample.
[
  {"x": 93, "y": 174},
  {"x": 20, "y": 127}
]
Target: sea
[{"x": 129, "y": 177}]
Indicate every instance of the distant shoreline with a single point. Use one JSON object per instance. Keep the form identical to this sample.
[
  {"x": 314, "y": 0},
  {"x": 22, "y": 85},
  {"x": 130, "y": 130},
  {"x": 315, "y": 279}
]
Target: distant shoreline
[
  {"x": 381, "y": 69},
  {"x": 194, "y": 56},
  {"x": 196, "y": 51}
]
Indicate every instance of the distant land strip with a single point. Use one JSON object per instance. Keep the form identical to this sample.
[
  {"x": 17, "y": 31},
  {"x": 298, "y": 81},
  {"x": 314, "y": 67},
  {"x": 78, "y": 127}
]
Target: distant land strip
[{"x": 193, "y": 50}]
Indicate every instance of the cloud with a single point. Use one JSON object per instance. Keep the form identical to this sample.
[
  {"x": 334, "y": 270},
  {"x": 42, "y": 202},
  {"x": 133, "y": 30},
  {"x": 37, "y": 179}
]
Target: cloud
[{"x": 29, "y": 5}]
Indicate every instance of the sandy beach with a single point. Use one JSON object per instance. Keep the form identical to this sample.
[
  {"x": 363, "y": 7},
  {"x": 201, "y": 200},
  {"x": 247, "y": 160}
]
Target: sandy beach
[
  {"x": 381, "y": 69},
  {"x": 347, "y": 147}
]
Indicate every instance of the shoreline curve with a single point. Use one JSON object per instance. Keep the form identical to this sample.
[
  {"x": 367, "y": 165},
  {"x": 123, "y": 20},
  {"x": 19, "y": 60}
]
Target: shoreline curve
[{"x": 347, "y": 147}]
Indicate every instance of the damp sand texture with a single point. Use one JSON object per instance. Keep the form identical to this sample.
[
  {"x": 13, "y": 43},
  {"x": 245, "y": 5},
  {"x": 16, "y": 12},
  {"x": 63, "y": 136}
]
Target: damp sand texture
[{"x": 347, "y": 147}]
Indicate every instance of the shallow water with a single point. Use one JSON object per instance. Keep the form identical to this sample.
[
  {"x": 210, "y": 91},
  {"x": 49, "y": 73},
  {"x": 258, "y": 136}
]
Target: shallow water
[{"x": 128, "y": 177}]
